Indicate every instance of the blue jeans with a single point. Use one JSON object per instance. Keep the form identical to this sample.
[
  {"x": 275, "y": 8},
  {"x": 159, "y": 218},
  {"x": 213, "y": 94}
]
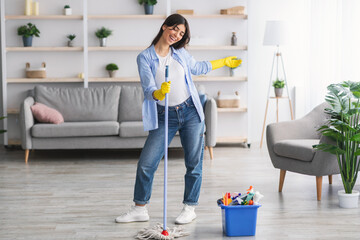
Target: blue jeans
[{"x": 185, "y": 119}]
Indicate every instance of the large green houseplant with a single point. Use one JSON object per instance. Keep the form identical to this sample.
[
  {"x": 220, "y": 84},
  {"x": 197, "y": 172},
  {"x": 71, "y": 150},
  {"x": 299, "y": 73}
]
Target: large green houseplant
[{"x": 344, "y": 128}]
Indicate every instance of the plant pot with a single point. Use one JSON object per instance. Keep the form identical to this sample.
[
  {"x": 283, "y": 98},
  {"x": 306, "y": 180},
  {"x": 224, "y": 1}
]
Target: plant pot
[
  {"x": 67, "y": 11},
  {"x": 102, "y": 42},
  {"x": 278, "y": 92},
  {"x": 27, "y": 41},
  {"x": 348, "y": 200},
  {"x": 112, "y": 74},
  {"x": 232, "y": 71},
  {"x": 149, "y": 9},
  {"x": 70, "y": 43}
]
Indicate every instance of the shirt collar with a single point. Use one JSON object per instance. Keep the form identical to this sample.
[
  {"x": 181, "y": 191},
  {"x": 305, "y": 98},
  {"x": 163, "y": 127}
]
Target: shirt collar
[{"x": 154, "y": 55}]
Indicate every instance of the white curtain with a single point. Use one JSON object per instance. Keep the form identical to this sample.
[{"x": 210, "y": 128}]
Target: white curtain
[
  {"x": 325, "y": 49},
  {"x": 351, "y": 40},
  {"x": 333, "y": 46}
]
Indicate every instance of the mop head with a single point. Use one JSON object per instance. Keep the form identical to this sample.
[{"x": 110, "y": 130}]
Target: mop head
[{"x": 156, "y": 233}]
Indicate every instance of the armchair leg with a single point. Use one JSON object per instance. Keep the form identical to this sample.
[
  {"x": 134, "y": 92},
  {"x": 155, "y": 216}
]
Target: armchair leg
[
  {"x": 282, "y": 178},
  {"x": 318, "y": 187},
  {"x": 211, "y": 153},
  {"x": 330, "y": 179},
  {"x": 26, "y": 155}
]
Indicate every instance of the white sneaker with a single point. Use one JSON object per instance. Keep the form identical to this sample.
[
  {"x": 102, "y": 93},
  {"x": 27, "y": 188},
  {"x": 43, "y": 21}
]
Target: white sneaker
[
  {"x": 187, "y": 215},
  {"x": 135, "y": 214}
]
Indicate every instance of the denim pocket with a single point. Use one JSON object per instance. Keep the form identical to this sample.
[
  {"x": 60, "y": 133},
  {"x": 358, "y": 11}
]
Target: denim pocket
[
  {"x": 160, "y": 110},
  {"x": 190, "y": 104}
]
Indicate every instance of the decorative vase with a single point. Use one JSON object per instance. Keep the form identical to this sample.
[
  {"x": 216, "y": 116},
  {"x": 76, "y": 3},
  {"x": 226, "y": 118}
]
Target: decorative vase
[
  {"x": 35, "y": 9},
  {"x": 112, "y": 74},
  {"x": 278, "y": 92},
  {"x": 102, "y": 42},
  {"x": 27, "y": 41},
  {"x": 149, "y": 9},
  {"x": 348, "y": 200},
  {"x": 233, "y": 39},
  {"x": 70, "y": 44},
  {"x": 28, "y": 7},
  {"x": 67, "y": 11}
]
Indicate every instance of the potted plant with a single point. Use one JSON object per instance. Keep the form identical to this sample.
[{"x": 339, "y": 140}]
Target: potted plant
[
  {"x": 71, "y": 37},
  {"x": 343, "y": 128},
  {"x": 102, "y": 34},
  {"x": 27, "y": 32},
  {"x": 112, "y": 68},
  {"x": 1, "y": 130},
  {"x": 67, "y": 10},
  {"x": 278, "y": 87},
  {"x": 148, "y": 5}
]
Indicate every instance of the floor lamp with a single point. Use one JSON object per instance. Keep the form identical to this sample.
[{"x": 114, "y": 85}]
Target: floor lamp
[{"x": 275, "y": 36}]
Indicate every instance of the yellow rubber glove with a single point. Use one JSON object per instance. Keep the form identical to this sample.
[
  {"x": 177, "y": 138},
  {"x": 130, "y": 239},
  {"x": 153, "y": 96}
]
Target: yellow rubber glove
[
  {"x": 160, "y": 93},
  {"x": 231, "y": 62}
]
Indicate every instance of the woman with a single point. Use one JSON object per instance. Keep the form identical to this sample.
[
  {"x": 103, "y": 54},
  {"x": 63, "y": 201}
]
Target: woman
[{"x": 185, "y": 114}]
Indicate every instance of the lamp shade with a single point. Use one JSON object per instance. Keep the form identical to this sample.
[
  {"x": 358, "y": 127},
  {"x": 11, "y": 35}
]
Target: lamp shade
[{"x": 275, "y": 32}]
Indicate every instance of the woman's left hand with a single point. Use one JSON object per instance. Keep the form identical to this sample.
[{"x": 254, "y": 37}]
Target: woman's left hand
[{"x": 231, "y": 62}]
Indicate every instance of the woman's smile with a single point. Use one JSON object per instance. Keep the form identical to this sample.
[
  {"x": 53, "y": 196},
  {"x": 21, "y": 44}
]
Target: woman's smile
[{"x": 173, "y": 34}]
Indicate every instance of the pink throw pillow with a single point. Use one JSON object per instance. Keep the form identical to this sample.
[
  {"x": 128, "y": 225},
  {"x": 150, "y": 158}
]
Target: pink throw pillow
[{"x": 45, "y": 114}]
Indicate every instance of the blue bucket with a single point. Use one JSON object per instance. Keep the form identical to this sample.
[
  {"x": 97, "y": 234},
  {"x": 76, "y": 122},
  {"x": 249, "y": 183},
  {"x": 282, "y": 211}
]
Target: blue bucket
[{"x": 239, "y": 220}]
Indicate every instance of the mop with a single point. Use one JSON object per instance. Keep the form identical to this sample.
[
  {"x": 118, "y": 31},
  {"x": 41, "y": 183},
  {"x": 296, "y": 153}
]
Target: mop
[{"x": 162, "y": 232}]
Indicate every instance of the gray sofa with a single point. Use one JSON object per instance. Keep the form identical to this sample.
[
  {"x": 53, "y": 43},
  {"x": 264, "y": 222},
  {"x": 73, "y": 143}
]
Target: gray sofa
[{"x": 95, "y": 118}]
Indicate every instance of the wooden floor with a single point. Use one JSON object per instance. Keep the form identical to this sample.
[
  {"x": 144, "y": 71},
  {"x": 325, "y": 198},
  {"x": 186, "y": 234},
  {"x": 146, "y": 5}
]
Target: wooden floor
[{"x": 78, "y": 194}]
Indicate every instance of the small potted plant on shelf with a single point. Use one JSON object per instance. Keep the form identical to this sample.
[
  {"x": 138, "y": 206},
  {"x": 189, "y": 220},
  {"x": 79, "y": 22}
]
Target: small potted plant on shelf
[
  {"x": 27, "y": 32},
  {"x": 343, "y": 128},
  {"x": 278, "y": 87},
  {"x": 1, "y": 130},
  {"x": 112, "y": 68},
  {"x": 67, "y": 10},
  {"x": 148, "y": 5},
  {"x": 71, "y": 37},
  {"x": 103, "y": 33}
]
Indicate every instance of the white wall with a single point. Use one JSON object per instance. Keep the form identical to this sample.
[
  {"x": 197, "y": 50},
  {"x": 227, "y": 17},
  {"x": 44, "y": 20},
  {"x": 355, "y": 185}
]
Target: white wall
[
  {"x": 133, "y": 32},
  {"x": 260, "y": 57}
]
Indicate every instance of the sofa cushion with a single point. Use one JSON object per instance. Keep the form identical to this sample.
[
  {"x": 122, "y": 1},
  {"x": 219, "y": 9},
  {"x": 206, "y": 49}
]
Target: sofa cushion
[
  {"x": 76, "y": 129},
  {"x": 81, "y": 104},
  {"x": 45, "y": 114},
  {"x": 132, "y": 129},
  {"x": 299, "y": 149},
  {"x": 130, "y": 107}
]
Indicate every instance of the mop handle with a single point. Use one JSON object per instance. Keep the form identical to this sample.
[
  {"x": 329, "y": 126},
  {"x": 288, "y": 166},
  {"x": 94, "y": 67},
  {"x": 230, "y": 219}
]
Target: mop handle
[{"x": 166, "y": 147}]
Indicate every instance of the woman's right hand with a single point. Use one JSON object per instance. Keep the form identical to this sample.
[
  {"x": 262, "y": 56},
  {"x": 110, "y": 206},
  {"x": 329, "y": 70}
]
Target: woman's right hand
[{"x": 160, "y": 93}]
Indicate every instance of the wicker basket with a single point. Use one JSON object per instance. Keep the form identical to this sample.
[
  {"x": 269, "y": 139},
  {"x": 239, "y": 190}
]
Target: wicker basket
[
  {"x": 36, "y": 72},
  {"x": 228, "y": 101}
]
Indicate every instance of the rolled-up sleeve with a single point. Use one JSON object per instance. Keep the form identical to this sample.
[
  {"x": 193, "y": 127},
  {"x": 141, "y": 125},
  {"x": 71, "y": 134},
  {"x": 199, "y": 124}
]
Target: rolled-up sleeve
[
  {"x": 146, "y": 76},
  {"x": 196, "y": 67}
]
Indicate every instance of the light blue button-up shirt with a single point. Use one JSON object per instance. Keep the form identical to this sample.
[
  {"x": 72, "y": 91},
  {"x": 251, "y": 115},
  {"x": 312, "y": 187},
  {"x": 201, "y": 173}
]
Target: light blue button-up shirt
[{"x": 148, "y": 63}]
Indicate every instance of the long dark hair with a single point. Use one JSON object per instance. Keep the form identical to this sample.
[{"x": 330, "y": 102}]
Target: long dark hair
[{"x": 172, "y": 21}]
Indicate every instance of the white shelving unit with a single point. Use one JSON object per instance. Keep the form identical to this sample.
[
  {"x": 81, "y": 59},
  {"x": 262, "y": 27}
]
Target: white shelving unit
[{"x": 85, "y": 49}]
